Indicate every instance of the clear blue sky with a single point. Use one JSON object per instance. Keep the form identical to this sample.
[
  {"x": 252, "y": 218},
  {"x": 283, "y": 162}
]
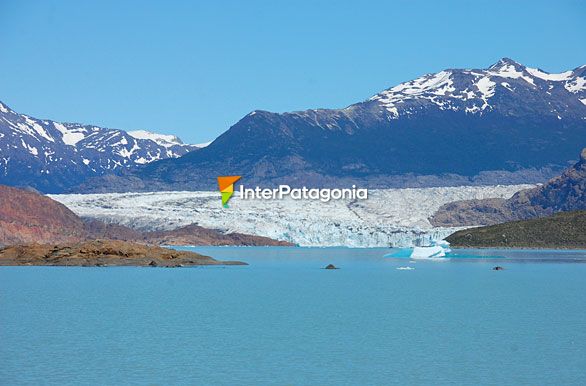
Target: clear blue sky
[{"x": 195, "y": 68}]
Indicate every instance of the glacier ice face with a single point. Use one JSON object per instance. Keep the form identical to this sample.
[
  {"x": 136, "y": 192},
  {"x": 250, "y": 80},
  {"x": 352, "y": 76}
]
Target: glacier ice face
[{"x": 389, "y": 217}]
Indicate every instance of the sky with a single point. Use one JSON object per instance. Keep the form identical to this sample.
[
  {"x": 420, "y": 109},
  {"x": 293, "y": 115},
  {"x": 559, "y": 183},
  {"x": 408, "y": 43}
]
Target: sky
[{"x": 195, "y": 68}]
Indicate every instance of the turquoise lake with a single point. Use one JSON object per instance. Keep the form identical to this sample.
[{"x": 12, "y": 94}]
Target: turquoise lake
[{"x": 284, "y": 321}]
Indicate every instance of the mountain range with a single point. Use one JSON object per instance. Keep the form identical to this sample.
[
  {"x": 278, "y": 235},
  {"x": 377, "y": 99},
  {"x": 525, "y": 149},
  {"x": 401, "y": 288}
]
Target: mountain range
[
  {"x": 52, "y": 156},
  {"x": 507, "y": 123}
]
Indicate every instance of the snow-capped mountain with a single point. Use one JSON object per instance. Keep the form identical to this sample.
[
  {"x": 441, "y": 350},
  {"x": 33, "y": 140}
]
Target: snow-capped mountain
[
  {"x": 51, "y": 156},
  {"x": 483, "y": 91},
  {"x": 504, "y": 124}
]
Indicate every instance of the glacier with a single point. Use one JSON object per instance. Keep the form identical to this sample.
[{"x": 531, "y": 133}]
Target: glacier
[{"x": 388, "y": 218}]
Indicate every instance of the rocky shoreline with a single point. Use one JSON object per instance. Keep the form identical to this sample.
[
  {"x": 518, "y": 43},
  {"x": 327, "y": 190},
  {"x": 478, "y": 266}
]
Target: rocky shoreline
[
  {"x": 564, "y": 230},
  {"x": 102, "y": 253}
]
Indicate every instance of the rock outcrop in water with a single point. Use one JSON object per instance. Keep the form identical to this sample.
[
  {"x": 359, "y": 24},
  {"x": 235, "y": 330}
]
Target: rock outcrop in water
[
  {"x": 561, "y": 194},
  {"x": 103, "y": 253}
]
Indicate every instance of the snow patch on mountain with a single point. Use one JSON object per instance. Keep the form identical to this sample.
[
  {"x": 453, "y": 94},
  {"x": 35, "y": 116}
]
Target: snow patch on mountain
[
  {"x": 202, "y": 145},
  {"x": 486, "y": 88},
  {"x": 70, "y": 137},
  {"x": 576, "y": 85},
  {"x": 550, "y": 77},
  {"x": 389, "y": 217},
  {"x": 166, "y": 140}
]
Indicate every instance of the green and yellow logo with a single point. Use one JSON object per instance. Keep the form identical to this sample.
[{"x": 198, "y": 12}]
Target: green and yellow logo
[{"x": 226, "y": 185}]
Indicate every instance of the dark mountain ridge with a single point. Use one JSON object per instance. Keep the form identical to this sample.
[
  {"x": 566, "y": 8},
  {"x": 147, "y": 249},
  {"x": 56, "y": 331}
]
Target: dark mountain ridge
[{"x": 564, "y": 193}]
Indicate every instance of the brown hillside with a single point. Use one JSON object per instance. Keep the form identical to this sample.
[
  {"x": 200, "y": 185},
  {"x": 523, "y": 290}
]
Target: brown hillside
[{"x": 27, "y": 217}]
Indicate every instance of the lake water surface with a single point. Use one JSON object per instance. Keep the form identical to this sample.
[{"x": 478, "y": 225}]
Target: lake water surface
[{"x": 284, "y": 321}]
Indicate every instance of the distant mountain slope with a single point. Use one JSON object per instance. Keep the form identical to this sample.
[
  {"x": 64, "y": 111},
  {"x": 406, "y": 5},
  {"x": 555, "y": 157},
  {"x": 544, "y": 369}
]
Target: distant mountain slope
[
  {"x": 562, "y": 230},
  {"x": 504, "y": 124},
  {"x": 51, "y": 156},
  {"x": 561, "y": 194}
]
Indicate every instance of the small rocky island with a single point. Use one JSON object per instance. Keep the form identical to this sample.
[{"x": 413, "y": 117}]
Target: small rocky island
[{"x": 100, "y": 253}]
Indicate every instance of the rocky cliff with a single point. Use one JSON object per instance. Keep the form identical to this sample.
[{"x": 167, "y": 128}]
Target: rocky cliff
[{"x": 560, "y": 194}]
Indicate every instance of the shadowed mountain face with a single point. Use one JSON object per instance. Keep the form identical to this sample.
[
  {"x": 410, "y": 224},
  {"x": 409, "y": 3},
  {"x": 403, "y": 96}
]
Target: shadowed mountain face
[
  {"x": 504, "y": 124},
  {"x": 561, "y": 194}
]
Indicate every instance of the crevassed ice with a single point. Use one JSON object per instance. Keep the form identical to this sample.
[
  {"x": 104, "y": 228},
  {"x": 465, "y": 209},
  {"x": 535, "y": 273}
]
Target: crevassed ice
[{"x": 389, "y": 217}]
